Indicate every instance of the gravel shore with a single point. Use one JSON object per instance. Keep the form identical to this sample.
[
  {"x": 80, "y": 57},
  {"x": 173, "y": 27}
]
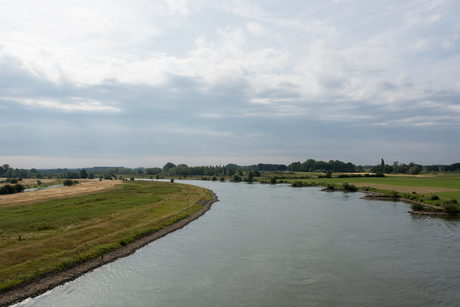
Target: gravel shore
[{"x": 54, "y": 279}]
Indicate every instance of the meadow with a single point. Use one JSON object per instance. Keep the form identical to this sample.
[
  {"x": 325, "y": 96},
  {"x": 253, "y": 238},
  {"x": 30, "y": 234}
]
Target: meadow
[
  {"x": 420, "y": 187},
  {"x": 42, "y": 236}
]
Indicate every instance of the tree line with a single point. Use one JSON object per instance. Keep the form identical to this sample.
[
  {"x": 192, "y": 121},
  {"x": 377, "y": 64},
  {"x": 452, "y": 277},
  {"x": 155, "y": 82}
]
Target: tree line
[{"x": 310, "y": 165}]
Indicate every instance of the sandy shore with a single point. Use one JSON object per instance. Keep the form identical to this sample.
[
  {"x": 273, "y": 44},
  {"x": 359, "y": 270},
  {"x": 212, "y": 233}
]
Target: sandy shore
[{"x": 55, "y": 279}]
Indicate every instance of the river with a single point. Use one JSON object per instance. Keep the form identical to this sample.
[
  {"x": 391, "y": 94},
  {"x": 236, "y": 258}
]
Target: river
[{"x": 273, "y": 245}]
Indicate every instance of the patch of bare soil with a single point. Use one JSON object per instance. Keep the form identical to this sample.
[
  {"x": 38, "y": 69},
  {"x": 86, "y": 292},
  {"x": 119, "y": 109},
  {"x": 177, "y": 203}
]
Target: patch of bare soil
[
  {"x": 406, "y": 189},
  {"x": 85, "y": 187}
]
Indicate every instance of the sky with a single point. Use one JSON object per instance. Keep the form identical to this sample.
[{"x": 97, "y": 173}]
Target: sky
[{"x": 140, "y": 83}]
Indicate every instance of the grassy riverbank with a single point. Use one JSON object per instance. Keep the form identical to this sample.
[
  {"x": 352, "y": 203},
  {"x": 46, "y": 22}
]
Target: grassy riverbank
[{"x": 56, "y": 234}]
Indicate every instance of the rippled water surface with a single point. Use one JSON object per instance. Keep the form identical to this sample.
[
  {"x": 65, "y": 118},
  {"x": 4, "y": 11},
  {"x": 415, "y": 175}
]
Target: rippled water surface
[{"x": 273, "y": 245}]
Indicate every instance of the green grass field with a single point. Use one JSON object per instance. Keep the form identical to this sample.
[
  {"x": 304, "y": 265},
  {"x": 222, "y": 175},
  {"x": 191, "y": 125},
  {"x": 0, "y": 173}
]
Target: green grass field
[
  {"x": 62, "y": 232},
  {"x": 445, "y": 186}
]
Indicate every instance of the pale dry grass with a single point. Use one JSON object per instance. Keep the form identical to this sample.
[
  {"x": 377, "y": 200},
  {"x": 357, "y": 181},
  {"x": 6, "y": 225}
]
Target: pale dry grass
[
  {"x": 32, "y": 182},
  {"x": 405, "y": 189},
  {"x": 85, "y": 187}
]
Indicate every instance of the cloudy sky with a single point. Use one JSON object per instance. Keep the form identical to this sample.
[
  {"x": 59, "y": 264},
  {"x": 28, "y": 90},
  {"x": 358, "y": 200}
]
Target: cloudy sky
[{"x": 140, "y": 83}]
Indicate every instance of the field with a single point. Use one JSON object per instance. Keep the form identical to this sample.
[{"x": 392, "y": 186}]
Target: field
[
  {"x": 445, "y": 186},
  {"x": 60, "y": 227}
]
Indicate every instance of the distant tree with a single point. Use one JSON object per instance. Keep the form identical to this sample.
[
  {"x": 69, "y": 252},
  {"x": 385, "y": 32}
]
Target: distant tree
[
  {"x": 71, "y": 175},
  {"x": 168, "y": 166},
  {"x": 328, "y": 174},
  {"x": 250, "y": 176},
  {"x": 236, "y": 177},
  {"x": 256, "y": 173},
  {"x": 230, "y": 171},
  {"x": 414, "y": 170},
  {"x": 83, "y": 174},
  {"x": 91, "y": 176},
  {"x": 239, "y": 172},
  {"x": 359, "y": 169},
  {"x": 140, "y": 171},
  {"x": 68, "y": 182},
  {"x": 272, "y": 179}
]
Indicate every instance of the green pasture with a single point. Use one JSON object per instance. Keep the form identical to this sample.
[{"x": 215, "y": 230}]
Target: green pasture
[{"x": 59, "y": 233}]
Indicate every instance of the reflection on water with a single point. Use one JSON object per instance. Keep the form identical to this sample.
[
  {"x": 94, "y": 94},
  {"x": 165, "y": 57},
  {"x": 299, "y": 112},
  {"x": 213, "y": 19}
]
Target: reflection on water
[{"x": 272, "y": 245}]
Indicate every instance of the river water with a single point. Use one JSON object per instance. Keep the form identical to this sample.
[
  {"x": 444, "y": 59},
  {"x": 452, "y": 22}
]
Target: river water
[{"x": 273, "y": 245}]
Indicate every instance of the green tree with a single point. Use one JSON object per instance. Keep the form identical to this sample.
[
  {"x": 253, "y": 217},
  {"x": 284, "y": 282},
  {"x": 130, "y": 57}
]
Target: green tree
[
  {"x": 230, "y": 171},
  {"x": 250, "y": 175},
  {"x": 83, "y": 174},
  {"x": 236, "y": 177},
  {"x": 168, "y": 166},
  {"x": 414, "y": 170}
]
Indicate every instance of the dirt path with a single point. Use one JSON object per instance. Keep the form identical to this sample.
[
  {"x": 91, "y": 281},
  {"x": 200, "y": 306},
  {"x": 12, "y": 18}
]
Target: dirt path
[{"x": 55, "y": 279}]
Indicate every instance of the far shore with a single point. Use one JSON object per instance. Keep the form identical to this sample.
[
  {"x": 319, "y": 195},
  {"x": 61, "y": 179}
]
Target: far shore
[{"x": 57, "y": 278}]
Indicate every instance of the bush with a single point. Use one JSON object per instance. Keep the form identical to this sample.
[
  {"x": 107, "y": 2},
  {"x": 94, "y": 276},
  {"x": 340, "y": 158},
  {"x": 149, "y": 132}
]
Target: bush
[
  {"x": 222, "y": 178},
  {"x": 297, "y": 183},
  {"x": 236, "y": 177},
  {"x": 214, "y": 178},
  {"x": 68, "y": 183},
  {"x": 417, "y": 207},
  {"x": 39, "y": 182},
  {"x": 330, "y": 187},
  {"x": 19, "y": 188},
  {"x": 272, "y": 179},
  {"x": 452, "y": 208},
  {"x": 394, "y": 194},
  {"x": 172, "y": 180},
  {"x": 13, "y": 180},
  {"x": 434, "y": 197},
  {"x": 350, "y": 187}
]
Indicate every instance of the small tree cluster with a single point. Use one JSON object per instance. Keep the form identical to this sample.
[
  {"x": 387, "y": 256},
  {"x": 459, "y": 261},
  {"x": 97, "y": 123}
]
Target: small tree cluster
[{"x": 10, "y": 189}]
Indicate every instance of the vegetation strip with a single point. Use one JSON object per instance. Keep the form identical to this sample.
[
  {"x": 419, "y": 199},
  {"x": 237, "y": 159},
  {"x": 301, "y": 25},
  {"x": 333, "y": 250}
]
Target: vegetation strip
[{"x": 56, "y": 278}]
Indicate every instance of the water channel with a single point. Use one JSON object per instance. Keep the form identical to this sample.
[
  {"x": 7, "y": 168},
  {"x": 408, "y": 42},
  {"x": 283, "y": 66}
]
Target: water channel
[{"x": 273, "y": 245}]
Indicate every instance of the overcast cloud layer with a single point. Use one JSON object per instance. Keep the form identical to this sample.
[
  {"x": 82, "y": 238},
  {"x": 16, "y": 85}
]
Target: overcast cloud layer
[{"x": 92, "y": 83}]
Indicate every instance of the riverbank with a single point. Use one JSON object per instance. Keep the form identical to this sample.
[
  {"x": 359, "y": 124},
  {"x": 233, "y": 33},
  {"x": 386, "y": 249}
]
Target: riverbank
[{"x": 54, "y": 279}]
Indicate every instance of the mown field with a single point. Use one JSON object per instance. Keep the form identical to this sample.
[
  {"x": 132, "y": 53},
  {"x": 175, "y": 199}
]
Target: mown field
[{"x": 39, "y": 237}]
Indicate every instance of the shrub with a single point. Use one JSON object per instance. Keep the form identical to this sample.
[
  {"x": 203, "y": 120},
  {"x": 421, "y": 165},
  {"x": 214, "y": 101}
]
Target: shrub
[
  {"x": 39, "y": 182},
  {"x": 68, "y": 182},
  {"x": 350, "y": 187},
  {"x": 434, "y": 197},
  {"x": 172, "y": 180},
  {"x": 330, "y": 187},
  {"x": 222, "y": 178},
  {"x": 417, "y": 207},
  {"x": 3, "y": 191},
  {"x": 297, "y": 183},
  {"x": 272, "y": 179},
  {"x": 19, "y": 188},
  {"x": 214, "y": 178},
  {"x": 452, "y": 208},
  {"x": 13, "y": 180},
  {"x": 157, "y": 177},
  {"x": 394, "y": 194},
  {"x": 236, "y": 177}
]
